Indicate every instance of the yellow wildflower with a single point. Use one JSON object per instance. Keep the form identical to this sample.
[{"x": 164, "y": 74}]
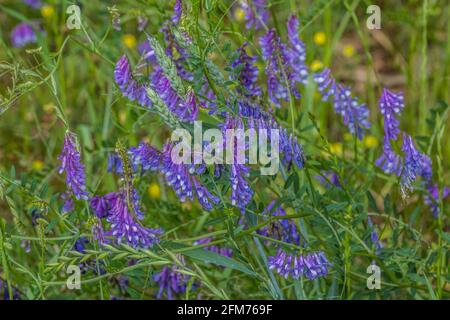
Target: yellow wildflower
[
  {"x": 320, "y": 38},
  {"x": 348, "y": 51},
  {"x": 47, "y": 11},
  {"x": 154, "y": 191},
  {"x": 129, "y": 41},
  {"x": 370, "y": 142},
  {"x": 37, "y": 165},
  {"x": 316, "y": 65}
]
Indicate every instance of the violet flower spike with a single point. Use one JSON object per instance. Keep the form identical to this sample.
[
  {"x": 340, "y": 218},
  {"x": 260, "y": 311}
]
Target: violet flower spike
[
  {"x": 123, "y": 224},
  {"x": 248, "y": 75},
  {"x": 170, "y": 282},
  {"x": 73, "y": 167}
]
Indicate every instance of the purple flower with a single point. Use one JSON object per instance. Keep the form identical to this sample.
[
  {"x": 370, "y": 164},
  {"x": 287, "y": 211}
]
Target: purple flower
[
  {"x": 35, "y": 4},
  {"x": 432, "y": 199},
  {"x": 6, "y": 296},
  {"x": 222, "y": 251},
  {"x": 124, "y": 226},
  {"x": 280, "y": 78},
  {"x": 100, "y": 206},
  {"x": 98, "y": 233},
  {"x": 171, "y": 282},
  {"x": 130, "y": 88},
  {"x": 80, "y": 245},
  {"x": 72, "y": 166},
  {"x": 280, "y": 229},
  {"x": 355, "y": 115},
  {"x": 147, "y": 156},
  {"x": 297, "y": 52},
  {"x": 179, "y": 176},
  {"x": 313, "y": 265},
  {"x": 206, "y": 198},
  {"x": 389, "y": 161},
  {"x": 374, "y": 237},
  {"x": 177, "y": 11},
  {"x": 256, "y": 14},
  {"x": 413, "y": 164},
  {"x": 291, "y": 151},
  {"x": 248, "y": 72},
  {"x": 328, "y": 179},
  {"x": 68, "y": 205},
  {"x": 391, "y": 105},
  {"x": 22, "y": 35}
]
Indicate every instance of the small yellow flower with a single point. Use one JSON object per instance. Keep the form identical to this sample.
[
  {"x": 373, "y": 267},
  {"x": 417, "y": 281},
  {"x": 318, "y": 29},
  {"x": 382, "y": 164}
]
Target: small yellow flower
[
  {"x": 239, "y": 14},
  {"x": 47, "y": 11},
  {"x": 348, "y": 51},
  {"x": 370, "y": 142},
  {"x": 316, "y": 65},
  {"x": 336, "y": 148},
  {"x": 37, "y": 165},
  {"x": 129, "y": 41},
  {"x": 154, "y": 191},
  {"x": 320, "y": 38}
]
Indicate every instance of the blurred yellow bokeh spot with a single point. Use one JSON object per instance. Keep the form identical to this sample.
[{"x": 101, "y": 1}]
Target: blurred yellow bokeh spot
[
  {"x": 154, "y": 191},
  {"x": 316, "y": 65},
  {"x": 348, "y": 51},
  {"x": 129, "y": 41},
  {"x": 320, "y": 38},
  {"x": 239, "y": 14},
  {"x": 37, "y": 165},
  {"x": 47, "y": 11},
  {"x": 336, "y": 148},
  {"x": 370, "y": 142}
]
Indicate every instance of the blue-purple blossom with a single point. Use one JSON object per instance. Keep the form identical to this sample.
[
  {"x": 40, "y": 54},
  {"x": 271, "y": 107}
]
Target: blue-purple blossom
[
  {"x": 296, "y": 52},
  {"x": 123, "y": 215},
  {"x": 390, "y": 162},
  {"x": 177, "y": 11},
  {"x": 328, "y": 179},
  {"x": 311, "y": 265},
  {"x": 432, "y": 199},
  {"x": 391, "y": 105},
  {"x": 256, "y": 13},
  {"x": 354, "y": 114},
  {"x": 35, "y": 4},
  {"x": 280, "y": 229},
  {"x": 374, "y": 238},
  {"x": 280, "y": 78},
  {"x": 179, "y": 176},
  {"x": 100, "y": 206},
  {"x": 413, "y": 164},
  {"x": 130, "y": 87},
  {"x": 290, "y": 150},
  {"x": 171, "y": 282},
  {"x": 247, "y": 73},
  {"x": 6, "y": 296},
  {"x": 227, "y": 252},
  {"x": 73, "y": 167},
  {"x": 22, "y": 35}
]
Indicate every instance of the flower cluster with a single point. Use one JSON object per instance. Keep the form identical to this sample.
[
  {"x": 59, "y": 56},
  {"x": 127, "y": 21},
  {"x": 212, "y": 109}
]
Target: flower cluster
[
  {"x": 311, "y": 265},
  {"x": 74, "y": 169},
  {"x": 414, "y": 163},
  {"x": 256, "y": 14},
  {"x": 355, "y": 114},
  {"x": 171, "y": 282},
  {"x": 179, "y": 176}
]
